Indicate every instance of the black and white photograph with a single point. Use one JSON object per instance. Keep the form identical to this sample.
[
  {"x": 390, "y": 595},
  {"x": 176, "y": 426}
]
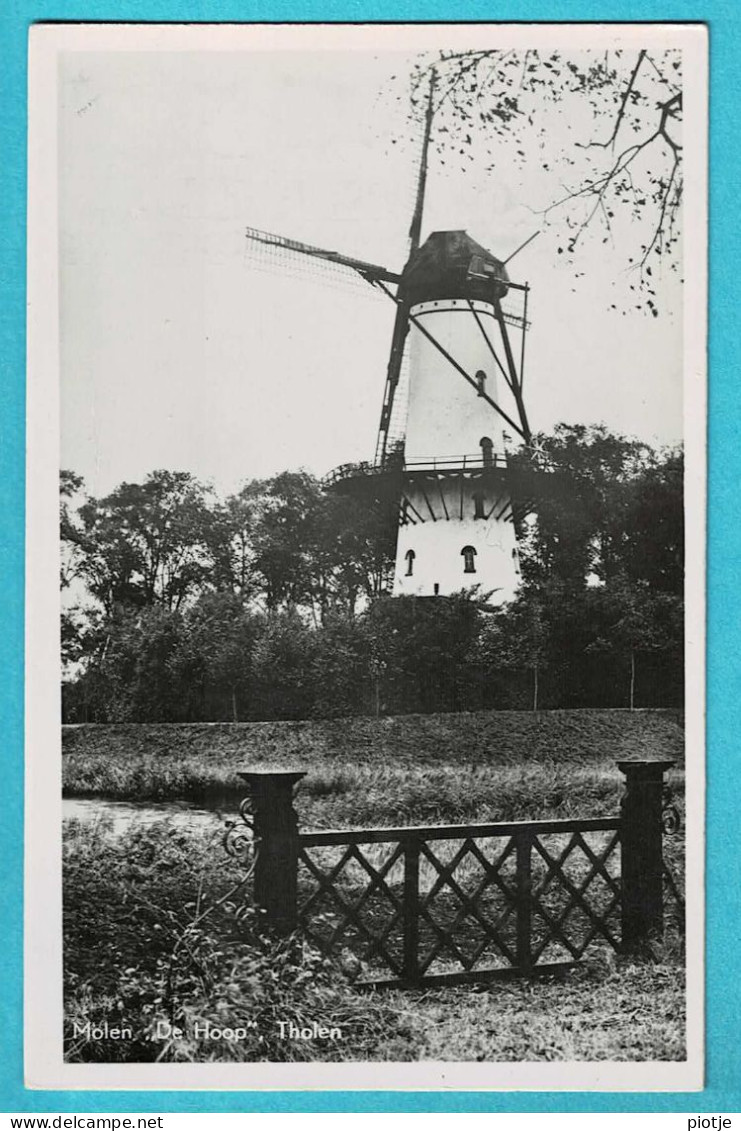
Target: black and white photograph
[{"x": 366, "y": 521}]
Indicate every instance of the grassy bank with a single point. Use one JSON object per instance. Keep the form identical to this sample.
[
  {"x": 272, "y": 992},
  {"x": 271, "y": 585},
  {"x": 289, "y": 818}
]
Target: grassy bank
[
  {"x": 383, "y": 771},
  {"x": 160, "y": 931}
]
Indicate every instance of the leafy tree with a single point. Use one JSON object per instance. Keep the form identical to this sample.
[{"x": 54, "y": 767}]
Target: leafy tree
[
  {"x": 286, "y": 511},
  {"x": 71, "y": 497},
  {"x": 586, "y": 494},
  {"x": 218, "y": 646},
  {"x": 653, "y": 543},
  {"x": 228, "y": 538},
  {"x": 284, "y": 666},
  {"x": 354, "y": 551},
  {"x": 145, "y": 543},
  {"x": 73, "y": 623},
  {"x": 426, "y": 645},
  {"x": 639, "y": 621},
  {"x": 270, "y": 605},
  {"x": 518, "y": 637},
  {"x": 131, "y": 674},
  {"x": 341, "y": 666}
]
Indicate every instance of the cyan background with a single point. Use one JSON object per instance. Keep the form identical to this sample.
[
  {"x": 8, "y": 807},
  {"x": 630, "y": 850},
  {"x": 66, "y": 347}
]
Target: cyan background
[{"x": 723, "y": 17}]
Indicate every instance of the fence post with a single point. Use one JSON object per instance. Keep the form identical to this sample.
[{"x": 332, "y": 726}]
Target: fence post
[
  {"x": 275, "y": 828},
  {"x": 524, "y": 883},
  {"x": 642, "y": 858},
  {"x": 411, "y": 910}
]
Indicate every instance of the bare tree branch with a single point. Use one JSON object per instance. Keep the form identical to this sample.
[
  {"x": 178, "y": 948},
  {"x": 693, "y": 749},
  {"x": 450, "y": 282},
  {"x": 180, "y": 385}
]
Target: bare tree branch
[
  {"x": 501, "y": 95},
  {"x": 621, "y": 111}
]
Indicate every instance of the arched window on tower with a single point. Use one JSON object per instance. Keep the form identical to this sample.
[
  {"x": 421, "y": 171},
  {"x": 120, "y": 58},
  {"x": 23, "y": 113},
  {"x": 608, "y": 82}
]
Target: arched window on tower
[
  {"x": 478, "y": 505},
  {"x": 481, "y": 381},
  {"x": 468, "y": 553},
  {"x": 486, "y": 450},
  {"x": 410, "y": 556}
]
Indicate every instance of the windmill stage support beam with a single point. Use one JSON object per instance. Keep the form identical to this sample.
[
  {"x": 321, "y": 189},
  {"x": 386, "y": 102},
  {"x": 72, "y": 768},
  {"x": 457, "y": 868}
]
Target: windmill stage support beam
[
  {"x": 497, "y": 501},
  {"x": 442, "y": 497},
  {"x": 412, "y": 507},
  {"x": 433, "y": 516}
]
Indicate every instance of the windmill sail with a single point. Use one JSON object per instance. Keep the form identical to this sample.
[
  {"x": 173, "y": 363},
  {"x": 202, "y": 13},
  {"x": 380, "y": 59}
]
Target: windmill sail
[
  {"x": 371, "y": 272},
  {"x": 389, "y": 429}
]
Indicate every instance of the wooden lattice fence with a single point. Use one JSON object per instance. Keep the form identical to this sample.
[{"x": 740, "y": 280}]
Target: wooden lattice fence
[{"x": 427, "y": 905}]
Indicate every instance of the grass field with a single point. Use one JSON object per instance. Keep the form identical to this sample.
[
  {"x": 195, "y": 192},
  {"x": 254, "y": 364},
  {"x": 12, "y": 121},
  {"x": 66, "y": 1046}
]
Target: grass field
[
  {"x": 411, "y": 768},
  {"x": 155, "y": 928}
]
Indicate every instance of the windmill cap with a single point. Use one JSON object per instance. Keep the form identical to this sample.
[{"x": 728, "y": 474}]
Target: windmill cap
[{"x": 452, "y": 265}]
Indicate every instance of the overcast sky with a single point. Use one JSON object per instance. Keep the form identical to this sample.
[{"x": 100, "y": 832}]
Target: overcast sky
[{"x": 182, "y": 349}]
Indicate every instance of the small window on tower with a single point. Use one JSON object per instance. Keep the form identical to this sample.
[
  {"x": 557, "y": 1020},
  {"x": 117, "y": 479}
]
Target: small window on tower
[
  {"x": 468, "y": 553},
  {"x": 410, "y": 556},
  {"x": 478, "y": 505},
  {"x": 481, "y": 381},
  {"x": 487, "y": 447}
]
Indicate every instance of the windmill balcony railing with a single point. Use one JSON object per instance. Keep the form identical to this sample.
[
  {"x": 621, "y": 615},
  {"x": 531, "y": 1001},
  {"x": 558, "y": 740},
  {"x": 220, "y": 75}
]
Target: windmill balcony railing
[
  {"x": 473, "y": 461},
  {"x": 470, "y": 462}
]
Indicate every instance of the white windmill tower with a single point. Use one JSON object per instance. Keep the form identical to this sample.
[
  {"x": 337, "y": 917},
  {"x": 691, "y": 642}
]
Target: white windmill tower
[{"x": 458, "y": 495}]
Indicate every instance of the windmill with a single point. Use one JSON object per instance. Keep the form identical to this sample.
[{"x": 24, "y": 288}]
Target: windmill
[{"x": 457, "y": 492}]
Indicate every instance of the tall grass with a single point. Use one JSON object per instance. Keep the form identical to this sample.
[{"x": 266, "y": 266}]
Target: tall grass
[
  {"x": 160, "y": 934},
  {"x": 150, "y": 938},
  {"x": 159, "y": 924},
  {"x": 362, "y": 771}
]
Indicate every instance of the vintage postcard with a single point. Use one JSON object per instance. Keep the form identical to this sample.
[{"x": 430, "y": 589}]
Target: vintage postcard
[{"x": 366, "y": 521}]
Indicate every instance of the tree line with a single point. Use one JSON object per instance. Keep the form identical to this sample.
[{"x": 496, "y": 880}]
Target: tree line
[{"x": 274, "y": 602}]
